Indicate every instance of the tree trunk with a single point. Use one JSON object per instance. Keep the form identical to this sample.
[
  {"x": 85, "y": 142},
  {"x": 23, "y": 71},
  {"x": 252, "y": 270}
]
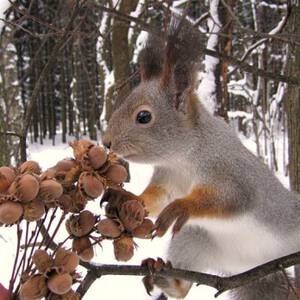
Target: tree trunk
[
  {"x": 121, "y": 54},
  {"x": 292, "y": 108}
]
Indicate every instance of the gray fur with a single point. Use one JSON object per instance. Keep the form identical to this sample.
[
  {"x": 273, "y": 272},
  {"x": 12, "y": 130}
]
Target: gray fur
[{"x": 273, "y": 287}]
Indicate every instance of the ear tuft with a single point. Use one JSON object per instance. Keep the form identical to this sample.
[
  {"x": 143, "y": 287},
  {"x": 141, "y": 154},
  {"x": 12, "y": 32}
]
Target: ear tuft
[
  {"x": 151, "y": 58},
  {"x": 182, "y": 55}
]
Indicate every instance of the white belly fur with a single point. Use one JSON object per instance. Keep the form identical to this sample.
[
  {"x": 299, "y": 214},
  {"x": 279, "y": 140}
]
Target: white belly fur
[{"x": 243, "y": 243}]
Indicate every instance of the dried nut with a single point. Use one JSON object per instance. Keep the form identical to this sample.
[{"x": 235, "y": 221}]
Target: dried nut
[
  {"x": 95, "y": 158},
  {"x": 123, "y": 248},
  {"x": 116, "y": 173},
  {"x": 83, "y": 247},
  {"x": 34, "y": 210},
  {"x": 65, "y": 202},
  {"x": 65, "y": 165},
  {"x": 50, "y": 190},
  {"x": 82, "y": 224},
  {"x": 7, "y": 176},
  {"x": 70, "y": 295},
  {"x": 25, "y": 187},
  {"x": 144, "y": 231},
  {"x": 34, "y": 288},
  {"x": 42, "y": 260},
  {"x": 80, "y": 148},
  {"x": 132, "y": 214},
  {"x": 109, "y": 228},
  {"x": 67, "y": 260},
  {"x": 60, "y": 283},
  {"x": 78, "y": 202},
  {"x": 30, "y": 166},
  {"x": 89, "y": 185},
  {"x": 10, "y": 212}
]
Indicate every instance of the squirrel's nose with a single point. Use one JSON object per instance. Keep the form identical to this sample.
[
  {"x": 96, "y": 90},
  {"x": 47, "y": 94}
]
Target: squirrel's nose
[
  {"x": 107, "y": 144},
  {"x": 106, "y": 141}
]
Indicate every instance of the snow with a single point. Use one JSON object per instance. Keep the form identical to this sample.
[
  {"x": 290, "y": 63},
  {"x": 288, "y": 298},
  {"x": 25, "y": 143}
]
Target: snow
[
  {"x": 207, "y": 87},
  {"x": 4, "y": 4}
]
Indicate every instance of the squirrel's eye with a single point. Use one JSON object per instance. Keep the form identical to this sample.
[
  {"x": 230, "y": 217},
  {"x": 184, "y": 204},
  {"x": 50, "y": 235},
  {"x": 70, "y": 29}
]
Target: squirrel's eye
[{"x": 144, "y": 117}]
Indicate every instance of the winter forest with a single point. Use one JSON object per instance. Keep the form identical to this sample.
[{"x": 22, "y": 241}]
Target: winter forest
[{"x": 67, "y": 65}]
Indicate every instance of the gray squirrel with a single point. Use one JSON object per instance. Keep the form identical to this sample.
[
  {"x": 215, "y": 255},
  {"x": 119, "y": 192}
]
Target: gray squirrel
[{"x": 230, "y": 213}]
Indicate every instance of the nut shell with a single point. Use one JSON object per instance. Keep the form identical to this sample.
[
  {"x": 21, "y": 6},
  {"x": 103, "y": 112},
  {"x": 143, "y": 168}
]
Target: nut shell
[
  {"x": 7, "y": 176},
  {"x": 25, "y": 187},
  {"x": 109, "y": 228},
  {"x": 34, "y": 210},
  {"x": 50, "y": 190},
  {"x": 123, "y": 248},
  {"x": 80, "y": 148},
  {"x": 65, "y": 202},
  {"x": 144, "y": 231},
  {"x": 94, "y": 158},
  {"x": 78, "y": 202},
  {"x": 60, "y": 283},
  {"x": 42, "y": 260},
  {"x": 132, "y": 214},
  {"x": 90, "y": 185},
  {"x": 66, "y": 260},
  {"x": 65, "y": 165},
  {"x": 70, "y": 295},
  {"x": 116, "y": 173},
  {"x": 34, "y": 288},
  {"x": 30, "y": 166},
  {"x": 10, "y": 212},
  {"x": 82, "y": 224},
  {"x": 83, "y": 247}
]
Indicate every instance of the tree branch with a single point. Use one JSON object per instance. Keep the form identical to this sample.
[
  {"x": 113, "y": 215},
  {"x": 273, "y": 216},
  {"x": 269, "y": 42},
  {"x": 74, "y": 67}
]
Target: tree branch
[
  {"x": 230, "y": 59},
  {"x": 222, "y": 284},
  {"x": 85, "y": 284}
]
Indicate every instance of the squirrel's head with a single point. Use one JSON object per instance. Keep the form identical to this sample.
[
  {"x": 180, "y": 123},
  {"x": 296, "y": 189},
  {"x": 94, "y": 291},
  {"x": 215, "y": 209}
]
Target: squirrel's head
[{"x": 152, "y": 124}]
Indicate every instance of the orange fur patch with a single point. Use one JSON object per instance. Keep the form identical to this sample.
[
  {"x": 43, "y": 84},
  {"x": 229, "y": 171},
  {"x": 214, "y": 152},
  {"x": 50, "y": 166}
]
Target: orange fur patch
[
  {"x": 151, "y": 198},
  {"x": 203, "y": 202}
]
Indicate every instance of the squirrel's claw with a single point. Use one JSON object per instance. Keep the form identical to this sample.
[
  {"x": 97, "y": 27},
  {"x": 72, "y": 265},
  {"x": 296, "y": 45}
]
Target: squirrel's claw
[
  {"x": 175, "y": 211},
  {"x": 154, "y": 266},
  {"x": 148, "y": 282}
]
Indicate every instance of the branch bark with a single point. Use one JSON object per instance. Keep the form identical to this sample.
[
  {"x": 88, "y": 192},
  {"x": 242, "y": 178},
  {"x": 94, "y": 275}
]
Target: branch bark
[{"x": 221, "y": 284}]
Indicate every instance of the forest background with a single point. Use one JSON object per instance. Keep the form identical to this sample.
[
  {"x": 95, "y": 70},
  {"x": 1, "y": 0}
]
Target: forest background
[{"x": 66, "y": 65}]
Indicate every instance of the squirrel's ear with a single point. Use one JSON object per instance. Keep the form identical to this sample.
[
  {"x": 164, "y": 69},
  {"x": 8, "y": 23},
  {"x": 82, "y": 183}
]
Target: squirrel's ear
[
  {"x": 151, "y": 58},
  {"x": 181, "y": 59}
]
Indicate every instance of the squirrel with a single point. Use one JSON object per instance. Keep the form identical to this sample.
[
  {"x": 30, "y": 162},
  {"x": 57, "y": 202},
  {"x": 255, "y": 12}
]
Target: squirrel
[{"x": 229, "y": 212}]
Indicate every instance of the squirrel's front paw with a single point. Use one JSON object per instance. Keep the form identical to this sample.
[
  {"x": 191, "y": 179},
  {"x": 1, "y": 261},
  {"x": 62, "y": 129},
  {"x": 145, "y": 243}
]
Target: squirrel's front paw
[
  {"x": 154, "y": 266},
  {"x": 175, "y": 211}
]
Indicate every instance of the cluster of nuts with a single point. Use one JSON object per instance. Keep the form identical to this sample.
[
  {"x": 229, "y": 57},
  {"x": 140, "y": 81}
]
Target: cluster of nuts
[
  {"x": 126, "y": 220},
  {"x": 25, "y": 194},
  {"x": 54, "y": 277},
  {"x": 79, "y": 227},
  {"x": 86, "y": 176}
]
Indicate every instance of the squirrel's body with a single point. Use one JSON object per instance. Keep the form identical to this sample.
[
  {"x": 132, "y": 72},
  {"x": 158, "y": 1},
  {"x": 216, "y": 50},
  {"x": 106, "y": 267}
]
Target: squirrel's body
[
  {"x": 264, "y": 212},
  {"x": 230, "y": 212}
]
